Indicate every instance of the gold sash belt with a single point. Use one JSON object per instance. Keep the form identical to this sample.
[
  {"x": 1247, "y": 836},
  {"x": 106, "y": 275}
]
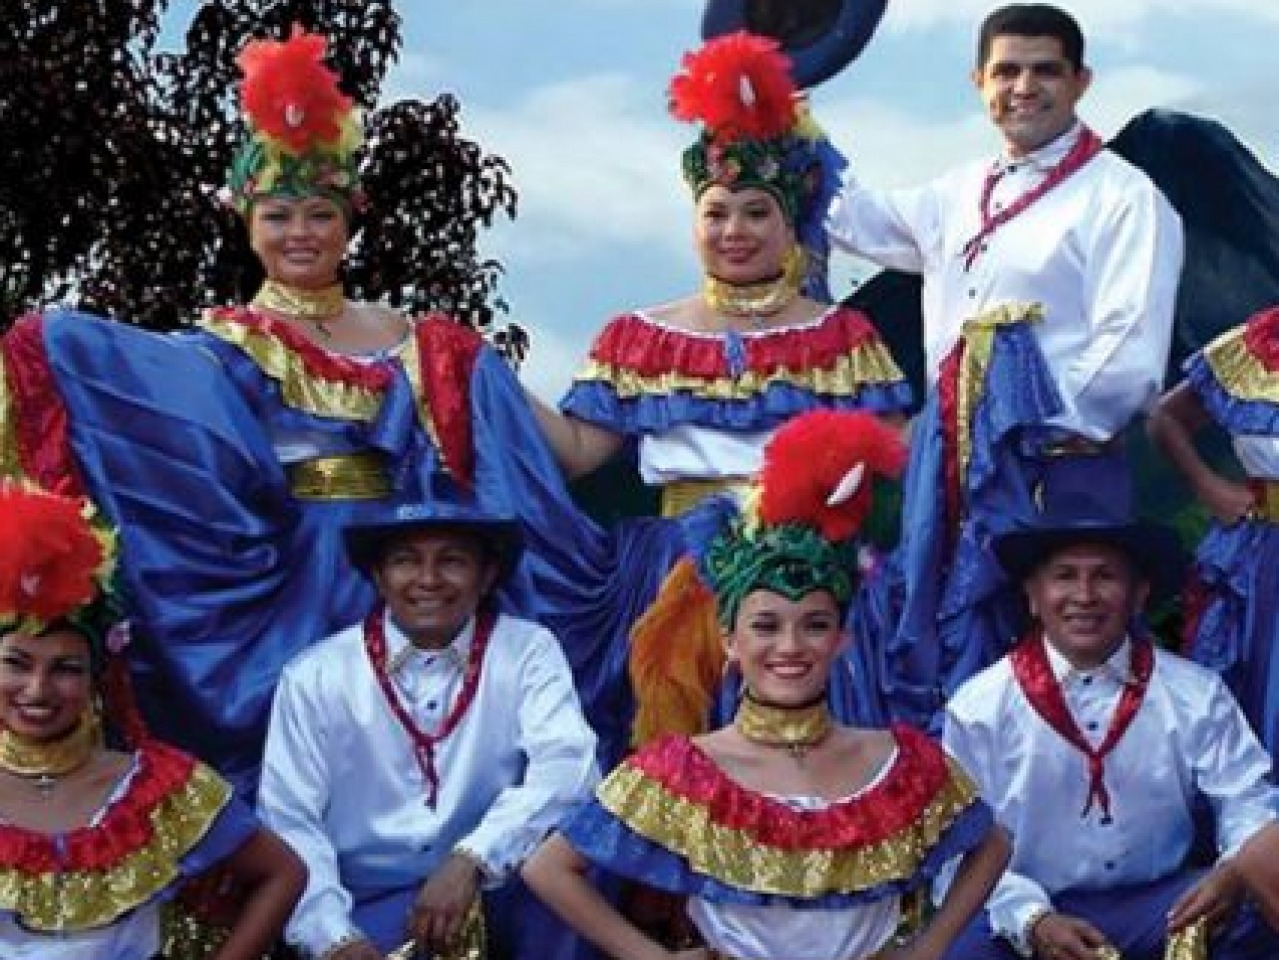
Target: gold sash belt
[
  {"x": 351, "y": 476},
  {"x": 681, "y": 496}
]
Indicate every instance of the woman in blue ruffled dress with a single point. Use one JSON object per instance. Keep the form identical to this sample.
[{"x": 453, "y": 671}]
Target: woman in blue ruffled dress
[
  {"x": 95, "y": 841},
  {"x": 231, "y": 456},
  {"x": 792, "y": 837},
  {"x": 700, "y": 384},
  {"x": 1232, "y": 602}
]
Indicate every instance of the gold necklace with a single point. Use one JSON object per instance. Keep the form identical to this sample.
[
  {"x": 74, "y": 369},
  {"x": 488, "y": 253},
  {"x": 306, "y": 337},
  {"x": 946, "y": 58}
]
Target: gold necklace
[
  {"x": 798, "y": 729},
  {"x": 313, "y": 306},
  {"x": 46, "y": 763},
  {"x": 757, "y": 300}
]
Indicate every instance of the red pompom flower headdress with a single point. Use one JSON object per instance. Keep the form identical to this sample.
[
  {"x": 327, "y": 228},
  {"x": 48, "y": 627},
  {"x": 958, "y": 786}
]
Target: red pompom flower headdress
[
  {"x": 55, "y": 564},
  {"x": 303, "y": 131},
  {"x": 794, "y": 533},
  {"x": 757, "y": 132}
]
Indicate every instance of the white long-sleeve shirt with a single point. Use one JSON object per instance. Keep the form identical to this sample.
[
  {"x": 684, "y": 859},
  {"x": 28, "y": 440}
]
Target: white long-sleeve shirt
[
  {"x": 1188, "y": 738},
  {"x": 341, "y": 784},
  {"x": 1101, "y": 252}
]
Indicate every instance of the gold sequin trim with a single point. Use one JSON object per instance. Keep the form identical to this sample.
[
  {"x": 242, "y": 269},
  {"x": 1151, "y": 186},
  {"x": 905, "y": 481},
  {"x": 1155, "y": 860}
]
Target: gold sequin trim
[
  {"x": 349, "y": 476},
  {"x": 1239, "y": 371},
  {"x": 868, "y": 365},
  {"x": 979, "y": 342},
  {"x": 10, "y": 459},
  {"x": 300, "y": 389},
  {"x": 681, "y": 496},
  {"x": 1189, "y": 943},
  {"x": 412, "y": 361},
  {"x": 87, "y": 899},
  {"x": 733, "y": 857}
]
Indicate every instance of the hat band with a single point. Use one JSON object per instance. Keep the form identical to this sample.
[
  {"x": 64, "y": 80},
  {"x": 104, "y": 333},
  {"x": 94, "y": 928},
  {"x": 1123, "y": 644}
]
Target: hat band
[{"x": 349, "y": 476}]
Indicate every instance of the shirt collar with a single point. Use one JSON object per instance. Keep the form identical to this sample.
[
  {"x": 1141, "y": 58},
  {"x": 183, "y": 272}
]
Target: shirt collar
[
  {"x": 401, "y": 652},
  {"x": 1118, "y": 667},
  {"x": 1047, "y": 156}
]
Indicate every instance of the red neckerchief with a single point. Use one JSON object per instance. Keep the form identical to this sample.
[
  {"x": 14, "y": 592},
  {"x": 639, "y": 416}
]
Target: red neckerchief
[
  {"x": 424, "y": 743},
  {"x": 1087, "y": 146},
  {"x": 1038, "y": 682}
]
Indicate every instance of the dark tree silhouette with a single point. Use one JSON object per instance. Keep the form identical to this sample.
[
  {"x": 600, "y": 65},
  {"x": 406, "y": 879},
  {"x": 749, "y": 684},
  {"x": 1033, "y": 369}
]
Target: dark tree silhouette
[{"x": 116, "y": 151}]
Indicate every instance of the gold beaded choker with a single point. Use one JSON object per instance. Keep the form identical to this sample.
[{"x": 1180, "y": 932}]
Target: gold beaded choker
[
  {"x": 45, "y": 763},
  {"x": 756, "y": 300},
  {"x": 314, "y": 306},
  {"x": 796, "y": 728}
]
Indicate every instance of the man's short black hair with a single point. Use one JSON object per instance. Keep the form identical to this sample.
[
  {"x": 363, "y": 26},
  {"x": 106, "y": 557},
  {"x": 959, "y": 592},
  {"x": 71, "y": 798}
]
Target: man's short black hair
[{"x": 1032, "y": 20}]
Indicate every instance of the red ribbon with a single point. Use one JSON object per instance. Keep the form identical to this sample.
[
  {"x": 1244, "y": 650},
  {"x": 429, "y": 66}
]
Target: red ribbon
[
  {"x": 1038, "y": 682},
  {"x": 424, "y": 743},
  {"x": 948, "y": 387},
  {"x": 1087, "y": 146}
]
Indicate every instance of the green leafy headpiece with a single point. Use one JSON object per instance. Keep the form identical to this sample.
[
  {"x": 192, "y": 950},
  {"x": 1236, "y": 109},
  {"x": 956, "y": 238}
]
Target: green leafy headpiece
[
  {"x": 794, "y": 532},
  {"x": 757, "y": 132},
  {"x": 303, "y": 132}
]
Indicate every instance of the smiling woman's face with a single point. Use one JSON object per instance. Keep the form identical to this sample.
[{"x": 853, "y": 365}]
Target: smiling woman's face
[
  {"x": 785, "y": 648},
  {"x": 45, "y": 683},
  {"x": 299, "y": 242}
]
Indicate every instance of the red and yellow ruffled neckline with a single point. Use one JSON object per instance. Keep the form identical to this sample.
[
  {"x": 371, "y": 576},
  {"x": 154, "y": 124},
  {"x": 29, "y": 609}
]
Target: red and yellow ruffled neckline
[
  {"x": 638, "y": 355},
  {"x": 674, "y": 795},
  {"x": 310, "y": 377},
  {"x": 438, "y": 361},
  {"x": 89, "y": 877},
  {"x": 1244, "y": 360}
]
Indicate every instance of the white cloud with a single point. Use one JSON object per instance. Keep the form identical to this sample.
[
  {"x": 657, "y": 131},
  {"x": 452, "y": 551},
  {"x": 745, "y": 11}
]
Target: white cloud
[
  {"x": 413, "y": 75},
  {"x": 555, "y": 356},
  {"x": 1118, "y": 95},
  {"x": 638, "y": 4},
  {"x": 595, "y": 162},
  {"x": 1095, "y": 16},
  {"x": 892, "y": 145}
]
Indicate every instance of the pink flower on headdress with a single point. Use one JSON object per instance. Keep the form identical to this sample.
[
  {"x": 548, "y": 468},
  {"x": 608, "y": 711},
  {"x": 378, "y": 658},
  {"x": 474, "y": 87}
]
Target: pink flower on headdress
[
  {"x": 289, "y": 94},
  {"x": 119, "y": 637}
]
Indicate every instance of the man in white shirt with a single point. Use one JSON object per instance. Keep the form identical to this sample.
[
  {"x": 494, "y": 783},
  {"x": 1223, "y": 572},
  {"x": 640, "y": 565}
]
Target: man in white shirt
[
  {"x": 1049, "y": 282},
  {"x": 1096, "y": 749},
  {"x": 419, "y": 756}
]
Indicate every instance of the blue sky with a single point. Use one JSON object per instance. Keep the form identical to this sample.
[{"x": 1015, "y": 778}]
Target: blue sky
[{"x": 572, "y": 93}]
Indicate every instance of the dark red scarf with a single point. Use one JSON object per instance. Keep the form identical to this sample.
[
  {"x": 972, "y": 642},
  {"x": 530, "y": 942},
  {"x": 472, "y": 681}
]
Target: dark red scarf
[
  {"x": 1087, "y": 146},
  {"x": 424, "y": 743},
  {"x": 1038, "y": 682}
]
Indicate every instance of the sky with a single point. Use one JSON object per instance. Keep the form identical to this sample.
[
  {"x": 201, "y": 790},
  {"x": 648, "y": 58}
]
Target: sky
[{"x": 572, "y": 94}]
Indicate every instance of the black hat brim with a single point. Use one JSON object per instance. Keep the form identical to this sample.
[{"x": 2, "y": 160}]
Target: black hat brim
[
  {"x": 827, "y": 40},
  {"x": 365, "y": 542},
  {"x": 1154, "y": 550}
]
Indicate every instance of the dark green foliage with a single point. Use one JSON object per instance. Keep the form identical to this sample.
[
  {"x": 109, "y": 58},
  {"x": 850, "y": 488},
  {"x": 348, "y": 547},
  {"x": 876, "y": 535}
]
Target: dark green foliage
[{"x": 116, "y": 150}]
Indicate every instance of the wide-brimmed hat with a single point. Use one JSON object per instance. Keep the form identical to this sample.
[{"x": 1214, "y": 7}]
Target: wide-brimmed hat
[
  {"x": 1079, "y": 517},
  {"x": 502, "y": 533},
  {"x": 821, "y": 37}
]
